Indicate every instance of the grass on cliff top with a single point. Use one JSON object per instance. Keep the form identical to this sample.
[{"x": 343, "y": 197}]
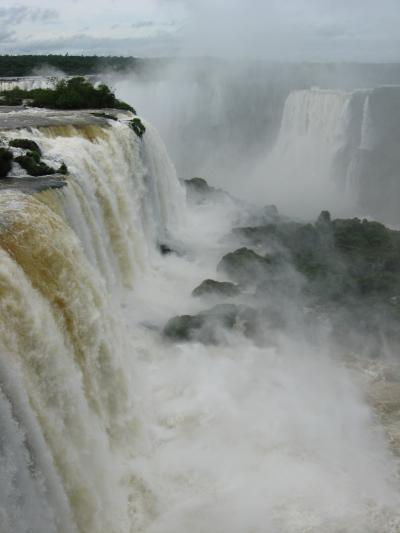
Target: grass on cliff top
[{"x": 75, "y": 93}]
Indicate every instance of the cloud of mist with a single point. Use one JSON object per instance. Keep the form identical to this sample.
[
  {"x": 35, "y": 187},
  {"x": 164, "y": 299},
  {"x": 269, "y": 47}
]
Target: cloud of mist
[{"x": 292, "y": 31}]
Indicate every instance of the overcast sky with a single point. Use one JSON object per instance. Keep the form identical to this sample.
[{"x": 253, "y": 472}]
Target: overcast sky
[{"x": 321, "y": 30}]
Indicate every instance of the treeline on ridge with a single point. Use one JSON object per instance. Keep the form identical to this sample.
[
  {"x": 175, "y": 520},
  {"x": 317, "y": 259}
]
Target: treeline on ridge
[{"x": 27, "y": 65}]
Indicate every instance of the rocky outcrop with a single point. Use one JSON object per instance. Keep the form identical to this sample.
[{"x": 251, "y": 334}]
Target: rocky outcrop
[
  {"x": 244, "y": 266},
  {"x": 6, "y": 158},
  {"x": 208, "y": 326},
  {"x": 210, "y": 287}
]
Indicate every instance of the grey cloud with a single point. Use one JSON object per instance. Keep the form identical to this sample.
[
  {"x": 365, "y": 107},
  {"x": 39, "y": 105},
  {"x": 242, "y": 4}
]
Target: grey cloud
[
  {"x": 17, "y": 14},
  {"x": 162, "y": 44},
  {"x": 143, "y": 24},
  {"x": 6, "y": 36}
]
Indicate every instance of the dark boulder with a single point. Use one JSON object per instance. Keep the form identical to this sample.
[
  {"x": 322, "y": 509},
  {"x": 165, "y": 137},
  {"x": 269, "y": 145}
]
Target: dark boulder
[
  {"x": 208, "y": 326},
  {"x": 199, "y": 191},
  {"x": 6, "y": 158},
  {"x": 33, "y": 165},
  {"x": 245, "y": 266},
  {"x": 210, "y": 287},
  {"x": 138, "y": 127},
  {"x": 26, "y": 144}
]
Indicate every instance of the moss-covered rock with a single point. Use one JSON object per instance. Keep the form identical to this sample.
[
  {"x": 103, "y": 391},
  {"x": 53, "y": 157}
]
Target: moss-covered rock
[
  {"x": 138, "y": 127},
  {"x": 199, "y": 184},
  {"x": 33, "y": 165},
  {"x": 245, "y": 266},
  {"x": 339, "y": 259},
  {"x": 208, "y": 326},
  {"x": 210, "y": 287},
  {"x": 6, "y": 158},
  {"x": 26, "y": 144},
  {"x": 183, "y": 328},
  {"x": 62, "y": 169}
]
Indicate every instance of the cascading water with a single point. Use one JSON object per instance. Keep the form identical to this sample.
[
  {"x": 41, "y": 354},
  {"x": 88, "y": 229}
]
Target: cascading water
[
  {"x": 28, "y": 83},
  {"x": 336, "y": 150},
  {"x": 106, "y": 427},
  {"x": 313, "y": 142}
]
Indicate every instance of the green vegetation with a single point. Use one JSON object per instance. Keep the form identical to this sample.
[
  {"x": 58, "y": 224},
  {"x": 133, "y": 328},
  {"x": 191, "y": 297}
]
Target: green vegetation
[
  {"x": 105, "y": 115},
  {"x": 26, "y": 144},
  {"x": 138, "y": 126},
  {"x": 244, "y": 266},
  {"x": 75, "y": 93},
  {"x": 339, "y": 259},
  {"x": 63, "y": 169},
  {"x": 33, "y": 165},
  {"x": 210, "y": 287},
  {"x": 6, "y": 158}
]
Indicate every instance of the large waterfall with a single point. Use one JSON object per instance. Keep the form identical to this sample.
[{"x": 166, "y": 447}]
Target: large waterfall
[{"x": 105, "y": 427}]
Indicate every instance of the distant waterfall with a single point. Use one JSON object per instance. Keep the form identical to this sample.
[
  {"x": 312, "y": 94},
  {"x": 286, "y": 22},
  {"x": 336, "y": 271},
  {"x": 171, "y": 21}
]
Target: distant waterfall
[
  {"x": 317, "y": 150},
  {"x": 339, "y": 151}
]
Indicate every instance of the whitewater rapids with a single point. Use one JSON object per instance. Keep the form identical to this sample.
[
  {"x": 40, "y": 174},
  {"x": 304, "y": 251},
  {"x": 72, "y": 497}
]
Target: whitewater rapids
[{"x": 106, "y": 428}]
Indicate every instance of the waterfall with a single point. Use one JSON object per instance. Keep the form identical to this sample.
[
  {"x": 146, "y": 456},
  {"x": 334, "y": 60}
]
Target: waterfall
[
  {"x": 106, "y": 428},
  {"x": 316, "y": 152},
  {"x": 67, "y": 408},
  {"x": 28, "y": 83},
  {"x": 336, "y": 150}
]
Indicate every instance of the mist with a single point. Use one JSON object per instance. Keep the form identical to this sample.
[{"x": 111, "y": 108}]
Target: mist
[{"x": 236, "y": 124}]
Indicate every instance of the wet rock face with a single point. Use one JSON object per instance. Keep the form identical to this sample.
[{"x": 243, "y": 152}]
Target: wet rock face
[
  {"x": 210, "y": 287},
  {"x": 6, "y": 158}
]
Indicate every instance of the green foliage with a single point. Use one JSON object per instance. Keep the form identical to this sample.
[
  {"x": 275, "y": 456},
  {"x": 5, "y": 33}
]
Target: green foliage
[
  {"x": 138, "y": 127},
  {"x": 26, "y": 144},
  {"x": 339, "y": 259},
  {"x": 104, "y": 115},
  {"x": 75, "y": 93},
  {"x": 33, "y": 165},
  {"x": 12, "y": 97},
  {"x": 6, "y": 158},
  {"x": 63, "y": 169}
]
